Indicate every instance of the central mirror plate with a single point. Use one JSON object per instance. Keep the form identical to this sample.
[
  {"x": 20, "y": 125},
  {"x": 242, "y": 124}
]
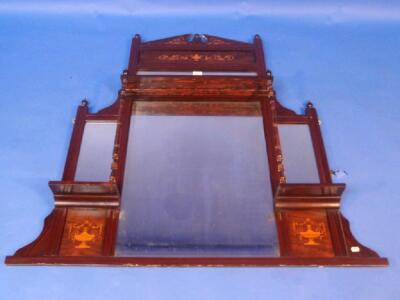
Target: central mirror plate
[{"x": 197, "y": 182}]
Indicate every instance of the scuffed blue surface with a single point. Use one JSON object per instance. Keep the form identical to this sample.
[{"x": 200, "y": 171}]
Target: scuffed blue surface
[{"x": 48, "y": 63}]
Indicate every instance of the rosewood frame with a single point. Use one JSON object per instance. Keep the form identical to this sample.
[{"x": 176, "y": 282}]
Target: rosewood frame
[{"x": 96, "y": 204}]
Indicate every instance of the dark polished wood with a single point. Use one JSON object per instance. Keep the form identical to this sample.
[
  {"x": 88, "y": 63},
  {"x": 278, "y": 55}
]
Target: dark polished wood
[
  {"x": 203, "y": 108},
  {"x": 76, "y": 242},
  {"x": 336, "y": 261},
  {"x": 82, "y": 228},
  {"x": 76, "y": 140},
  {"x": 319, "y": 148},
  {"x": 195, "y": 87},
  {"x": 308, "y": 195},
  {"x": 302, "y": 245},
  {"x": 194, "y": 52},
  {"x": 49, "y": 241}
]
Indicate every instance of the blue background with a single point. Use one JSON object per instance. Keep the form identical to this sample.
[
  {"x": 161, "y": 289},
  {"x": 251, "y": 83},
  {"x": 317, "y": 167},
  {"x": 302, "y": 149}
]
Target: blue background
[{"x": 342, "y": 55}]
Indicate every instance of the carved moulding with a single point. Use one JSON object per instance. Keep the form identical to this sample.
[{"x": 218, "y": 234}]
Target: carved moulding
[{"x": 83, "y": 226}]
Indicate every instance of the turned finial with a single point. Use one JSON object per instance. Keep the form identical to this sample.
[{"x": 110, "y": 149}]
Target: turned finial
[{"x": 85, "y": 102}]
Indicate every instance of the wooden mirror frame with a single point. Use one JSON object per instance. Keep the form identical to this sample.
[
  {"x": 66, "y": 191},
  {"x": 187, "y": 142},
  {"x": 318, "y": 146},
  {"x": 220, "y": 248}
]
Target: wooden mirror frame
[{"x": 193, "y": 66}]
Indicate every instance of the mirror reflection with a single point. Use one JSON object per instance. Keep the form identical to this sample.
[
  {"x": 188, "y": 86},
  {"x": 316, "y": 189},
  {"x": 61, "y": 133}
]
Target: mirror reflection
[
  {"x": 298, "y": 153},
  {"x": 196, "y": 185},
  {"x": 95, "y": 156}
]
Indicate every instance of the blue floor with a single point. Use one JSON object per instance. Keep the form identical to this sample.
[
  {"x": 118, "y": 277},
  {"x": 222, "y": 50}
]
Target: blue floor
[{"x": 350, "y": 69}]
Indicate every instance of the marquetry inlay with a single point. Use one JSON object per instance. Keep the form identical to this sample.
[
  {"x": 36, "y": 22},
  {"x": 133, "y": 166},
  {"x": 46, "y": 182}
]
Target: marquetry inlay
[
  {"x": 196, "y": 57},
  {"x": 83, "y": 235},
  {"x": 309, "y": 232}
]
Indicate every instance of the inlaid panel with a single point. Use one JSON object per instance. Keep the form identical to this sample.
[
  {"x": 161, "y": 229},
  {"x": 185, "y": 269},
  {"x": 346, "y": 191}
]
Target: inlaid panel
[
  {"x": 83, "y": 232},
  {"x": 186, "y": 57},
  {"x": 307, "y": 233}
]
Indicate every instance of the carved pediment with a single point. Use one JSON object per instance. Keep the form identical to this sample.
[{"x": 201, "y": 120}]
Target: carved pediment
[
  {"x": 193, "y": 39},
  {"x": 202, "y": 52}
]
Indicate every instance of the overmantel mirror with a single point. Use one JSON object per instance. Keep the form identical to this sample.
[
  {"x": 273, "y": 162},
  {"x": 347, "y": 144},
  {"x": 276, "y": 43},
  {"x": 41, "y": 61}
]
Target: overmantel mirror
[{"x": 196, "y": 164}]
